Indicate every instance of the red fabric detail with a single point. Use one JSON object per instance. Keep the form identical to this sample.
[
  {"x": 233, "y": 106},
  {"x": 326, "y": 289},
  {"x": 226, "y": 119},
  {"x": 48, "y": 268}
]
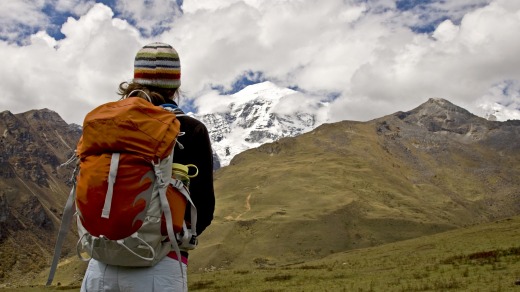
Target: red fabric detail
[
  {"x": 156, "y": 75},
  {"x": 177, "y": 204},
  {"x": 173, "y": 255}
]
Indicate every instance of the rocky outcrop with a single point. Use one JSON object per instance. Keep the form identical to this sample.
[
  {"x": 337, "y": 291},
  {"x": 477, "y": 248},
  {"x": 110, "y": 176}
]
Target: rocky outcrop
[
  {"x": 34, "y": 144},
  {"x": 4, "y": 216},
  {"x": 35, "y": 212},
  {"x": 8, "y": 223},
  {"x": 32, "y": 147}
]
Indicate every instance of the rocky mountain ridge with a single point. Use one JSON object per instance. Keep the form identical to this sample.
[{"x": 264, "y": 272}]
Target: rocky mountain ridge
[{"x": 33, "y": 188}]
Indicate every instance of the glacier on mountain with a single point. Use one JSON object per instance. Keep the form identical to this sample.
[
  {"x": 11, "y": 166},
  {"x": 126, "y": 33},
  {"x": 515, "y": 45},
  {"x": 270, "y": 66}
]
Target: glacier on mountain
[{"x": 259, "y": 114}]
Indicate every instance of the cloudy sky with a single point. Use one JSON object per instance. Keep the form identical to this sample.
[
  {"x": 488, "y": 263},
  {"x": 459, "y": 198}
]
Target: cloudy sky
[{"x": 368, "y": 58}]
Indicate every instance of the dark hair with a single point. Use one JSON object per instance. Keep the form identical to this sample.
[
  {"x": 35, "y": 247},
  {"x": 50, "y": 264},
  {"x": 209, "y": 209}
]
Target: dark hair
[{"x": 157, "y": 95}]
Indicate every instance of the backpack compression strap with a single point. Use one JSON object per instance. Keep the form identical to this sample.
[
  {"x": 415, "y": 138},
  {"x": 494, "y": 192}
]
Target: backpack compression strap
[
  {"x": 193, "y": 210},
  {"x": 114, "y": 163},
  {"x": 68, "y": 212}
]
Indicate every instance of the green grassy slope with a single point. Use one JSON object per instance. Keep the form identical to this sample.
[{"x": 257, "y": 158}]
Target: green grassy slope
[
  {"x": 346, "y": 186},
  {"x": 484, "y": 257}
]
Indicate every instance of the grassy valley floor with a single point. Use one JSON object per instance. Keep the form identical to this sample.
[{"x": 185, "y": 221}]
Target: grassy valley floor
[{"x": 479, "y": 258}]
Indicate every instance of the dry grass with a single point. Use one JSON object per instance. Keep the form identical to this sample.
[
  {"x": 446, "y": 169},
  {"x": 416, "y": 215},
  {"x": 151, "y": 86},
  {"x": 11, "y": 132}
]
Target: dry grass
[
  {"x": 484, "y": 257},
  {"x": 480, "y": 258},
  {"x": 344, "y": 187}
]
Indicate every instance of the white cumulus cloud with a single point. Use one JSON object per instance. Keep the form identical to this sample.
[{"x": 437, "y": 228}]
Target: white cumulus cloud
[{"x": 374, "y": 57}]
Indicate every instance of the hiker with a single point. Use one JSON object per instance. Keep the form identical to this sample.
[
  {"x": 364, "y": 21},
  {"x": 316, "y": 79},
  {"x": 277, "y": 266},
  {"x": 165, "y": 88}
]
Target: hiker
[{"x": 157, "y": 78}]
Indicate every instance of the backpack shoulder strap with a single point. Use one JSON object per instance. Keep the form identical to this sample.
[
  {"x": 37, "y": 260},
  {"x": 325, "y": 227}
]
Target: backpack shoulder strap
[
  {"x": 164, "y": 181},
  {"x": 68, "y": 213}
]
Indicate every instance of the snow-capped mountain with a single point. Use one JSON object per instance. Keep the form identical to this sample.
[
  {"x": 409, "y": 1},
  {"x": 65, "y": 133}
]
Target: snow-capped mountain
[{"x": 256, "y": 115}]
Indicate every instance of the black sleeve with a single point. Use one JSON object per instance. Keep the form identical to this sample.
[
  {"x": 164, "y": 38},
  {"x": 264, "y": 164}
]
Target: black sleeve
[{"x": 197, "y": 150}]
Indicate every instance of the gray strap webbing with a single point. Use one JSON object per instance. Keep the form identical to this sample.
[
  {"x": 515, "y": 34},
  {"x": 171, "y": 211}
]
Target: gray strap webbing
[
  {"x": 114, "y": 164},
  {"x": 193, "y": 216},
  {"x": 165, "y": 206},
  {"x": 182, "y": 189},
  {"x": 66, "y": 219}
]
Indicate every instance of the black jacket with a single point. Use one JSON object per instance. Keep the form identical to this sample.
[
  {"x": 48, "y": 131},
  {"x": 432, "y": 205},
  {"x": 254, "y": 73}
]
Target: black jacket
[{"x": 197, "y": 150}]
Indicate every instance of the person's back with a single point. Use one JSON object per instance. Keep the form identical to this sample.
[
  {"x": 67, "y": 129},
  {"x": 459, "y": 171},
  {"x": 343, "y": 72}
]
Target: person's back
[
  {"x": 197, "y": 150},
  {"x": 157, "y": 79}
]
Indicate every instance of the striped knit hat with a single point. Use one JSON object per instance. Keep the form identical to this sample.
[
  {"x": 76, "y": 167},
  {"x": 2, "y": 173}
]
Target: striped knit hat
[{"x": 158, "y": 65}]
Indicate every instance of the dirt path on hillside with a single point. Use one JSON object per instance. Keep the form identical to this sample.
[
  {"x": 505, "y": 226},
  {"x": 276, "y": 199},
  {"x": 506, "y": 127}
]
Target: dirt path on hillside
[{"x": 247, "y": 205}]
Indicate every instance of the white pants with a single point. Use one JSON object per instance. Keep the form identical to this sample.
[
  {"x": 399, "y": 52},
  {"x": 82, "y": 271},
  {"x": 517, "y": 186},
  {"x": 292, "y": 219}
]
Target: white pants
[{"x": 164, "y": 276}]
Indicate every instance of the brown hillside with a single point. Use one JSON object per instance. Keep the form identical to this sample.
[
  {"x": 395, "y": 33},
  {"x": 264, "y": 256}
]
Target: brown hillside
[
  {"x": 357, "y": 184},
  {"x": 33, "y": 189}
]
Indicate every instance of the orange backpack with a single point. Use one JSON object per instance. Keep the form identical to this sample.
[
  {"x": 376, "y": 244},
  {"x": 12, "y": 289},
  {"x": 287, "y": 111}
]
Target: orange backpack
[{"x": 124, "y": 189}]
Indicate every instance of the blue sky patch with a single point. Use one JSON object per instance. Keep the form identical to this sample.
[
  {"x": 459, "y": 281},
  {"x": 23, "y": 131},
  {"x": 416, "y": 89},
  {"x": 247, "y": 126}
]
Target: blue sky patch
[
  {"x": 242, "y": 81},
  {"x": 404, "y": 5},
  {"x": 429, "y": 27},
  {"x": 56, "y": 21}
]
